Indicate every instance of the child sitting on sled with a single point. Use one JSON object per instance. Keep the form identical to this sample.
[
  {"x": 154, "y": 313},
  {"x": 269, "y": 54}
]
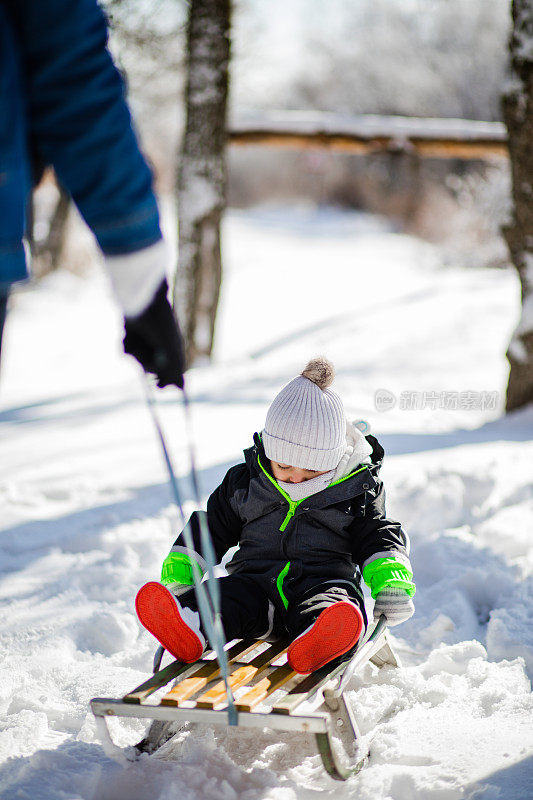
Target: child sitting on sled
[{"x": 307, "y": 511}]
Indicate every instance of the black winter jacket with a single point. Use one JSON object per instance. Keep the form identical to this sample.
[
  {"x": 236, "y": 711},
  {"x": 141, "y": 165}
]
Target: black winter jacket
[{"x": 330, "y": 534}]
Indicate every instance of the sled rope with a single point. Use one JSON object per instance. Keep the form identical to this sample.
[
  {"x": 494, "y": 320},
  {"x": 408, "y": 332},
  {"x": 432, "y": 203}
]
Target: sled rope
[{"x": 208, "y": 598}]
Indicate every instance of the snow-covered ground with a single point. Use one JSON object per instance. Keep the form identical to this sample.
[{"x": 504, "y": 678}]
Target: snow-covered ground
[{"x": 87, "y": 515}]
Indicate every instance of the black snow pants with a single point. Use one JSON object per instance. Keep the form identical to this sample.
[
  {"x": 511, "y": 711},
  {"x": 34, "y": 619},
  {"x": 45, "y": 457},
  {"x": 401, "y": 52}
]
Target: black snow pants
[{"x": 248, "y": 612}]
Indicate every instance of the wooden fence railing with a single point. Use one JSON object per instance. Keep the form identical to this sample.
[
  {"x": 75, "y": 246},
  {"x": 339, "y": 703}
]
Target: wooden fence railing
[{"x": 365, "y": 134}]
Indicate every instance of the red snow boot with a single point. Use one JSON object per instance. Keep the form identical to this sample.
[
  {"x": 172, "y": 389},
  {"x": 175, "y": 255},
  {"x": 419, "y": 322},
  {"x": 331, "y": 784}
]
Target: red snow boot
[
  {"x": 332, "y": 634},
  {"x": 176, "y": 628}
]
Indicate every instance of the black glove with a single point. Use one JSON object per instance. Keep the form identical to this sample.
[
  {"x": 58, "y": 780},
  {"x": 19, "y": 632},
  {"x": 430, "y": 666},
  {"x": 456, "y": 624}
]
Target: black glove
[{"x": 154, "y": 339}]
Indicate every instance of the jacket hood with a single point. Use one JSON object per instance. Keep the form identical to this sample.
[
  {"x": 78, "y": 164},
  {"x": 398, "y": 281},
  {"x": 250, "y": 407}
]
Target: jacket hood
[{"x": 357, "y": 451}]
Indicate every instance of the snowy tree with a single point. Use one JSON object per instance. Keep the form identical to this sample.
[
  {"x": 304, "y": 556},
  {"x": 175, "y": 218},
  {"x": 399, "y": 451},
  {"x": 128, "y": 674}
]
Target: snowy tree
[
  {"x": 518, "y": 115},
  {"x": 202, "y": 173}
]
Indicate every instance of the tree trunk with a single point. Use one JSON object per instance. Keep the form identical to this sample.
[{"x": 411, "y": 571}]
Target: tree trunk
[
  {"x": 518, "y": 115},
  {"x": 202, "y": 174}
]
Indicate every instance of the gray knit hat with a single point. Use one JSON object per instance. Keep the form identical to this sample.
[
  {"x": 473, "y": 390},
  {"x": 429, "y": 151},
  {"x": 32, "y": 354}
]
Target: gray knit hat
[{"x": 306, "y": 424}]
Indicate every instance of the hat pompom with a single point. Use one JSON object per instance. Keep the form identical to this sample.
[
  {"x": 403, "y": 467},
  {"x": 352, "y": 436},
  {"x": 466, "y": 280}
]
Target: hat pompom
[{"x": 320, "y": 371}]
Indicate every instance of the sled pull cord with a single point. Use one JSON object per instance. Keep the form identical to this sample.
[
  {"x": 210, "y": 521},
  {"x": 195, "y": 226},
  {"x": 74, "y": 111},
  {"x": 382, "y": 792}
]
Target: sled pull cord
[{"x": 208, "y": 592}]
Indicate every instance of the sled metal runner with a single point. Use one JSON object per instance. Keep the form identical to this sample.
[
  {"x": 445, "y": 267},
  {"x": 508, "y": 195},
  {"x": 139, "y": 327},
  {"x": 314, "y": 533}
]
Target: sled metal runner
[{"x": 199, "y": 696}]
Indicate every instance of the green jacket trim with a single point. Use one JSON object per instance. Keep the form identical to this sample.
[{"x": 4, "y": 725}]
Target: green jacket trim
[
  {"x": 279, "y": 583},
  {"x": 178, "y": 568},
  {"x": 351, "y": 474},
  {"x": 383, "y": 572}
]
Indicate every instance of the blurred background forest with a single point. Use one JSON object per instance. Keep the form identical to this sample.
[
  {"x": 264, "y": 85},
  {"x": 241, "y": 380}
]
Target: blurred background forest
[{"x": 423, "y": 58}]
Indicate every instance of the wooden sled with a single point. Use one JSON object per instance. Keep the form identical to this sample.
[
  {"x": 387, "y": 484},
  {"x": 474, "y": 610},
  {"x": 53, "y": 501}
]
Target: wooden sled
[{"x": 199, "y": 696}]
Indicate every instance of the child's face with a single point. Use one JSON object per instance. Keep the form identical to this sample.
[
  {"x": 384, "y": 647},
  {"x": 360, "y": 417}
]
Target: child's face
[{"x": 284, "y": 472}]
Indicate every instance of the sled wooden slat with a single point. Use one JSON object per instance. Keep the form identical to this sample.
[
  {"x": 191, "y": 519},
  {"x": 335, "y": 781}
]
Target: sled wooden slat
[
  {"x": 304, "y": 690},
  {"x": 189, "y": 686},
  {"x": 241, "y": 676},
  {"x": 265, "y": 687},
  {"x": 201, "y": 677},
  {"x": 155, "y": 682}
]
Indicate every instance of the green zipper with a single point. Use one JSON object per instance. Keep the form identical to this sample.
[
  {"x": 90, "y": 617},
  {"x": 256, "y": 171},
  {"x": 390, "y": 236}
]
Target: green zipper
[
  {"x": 290, "y": 513},
  {"x": 293, "y": 504}
]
